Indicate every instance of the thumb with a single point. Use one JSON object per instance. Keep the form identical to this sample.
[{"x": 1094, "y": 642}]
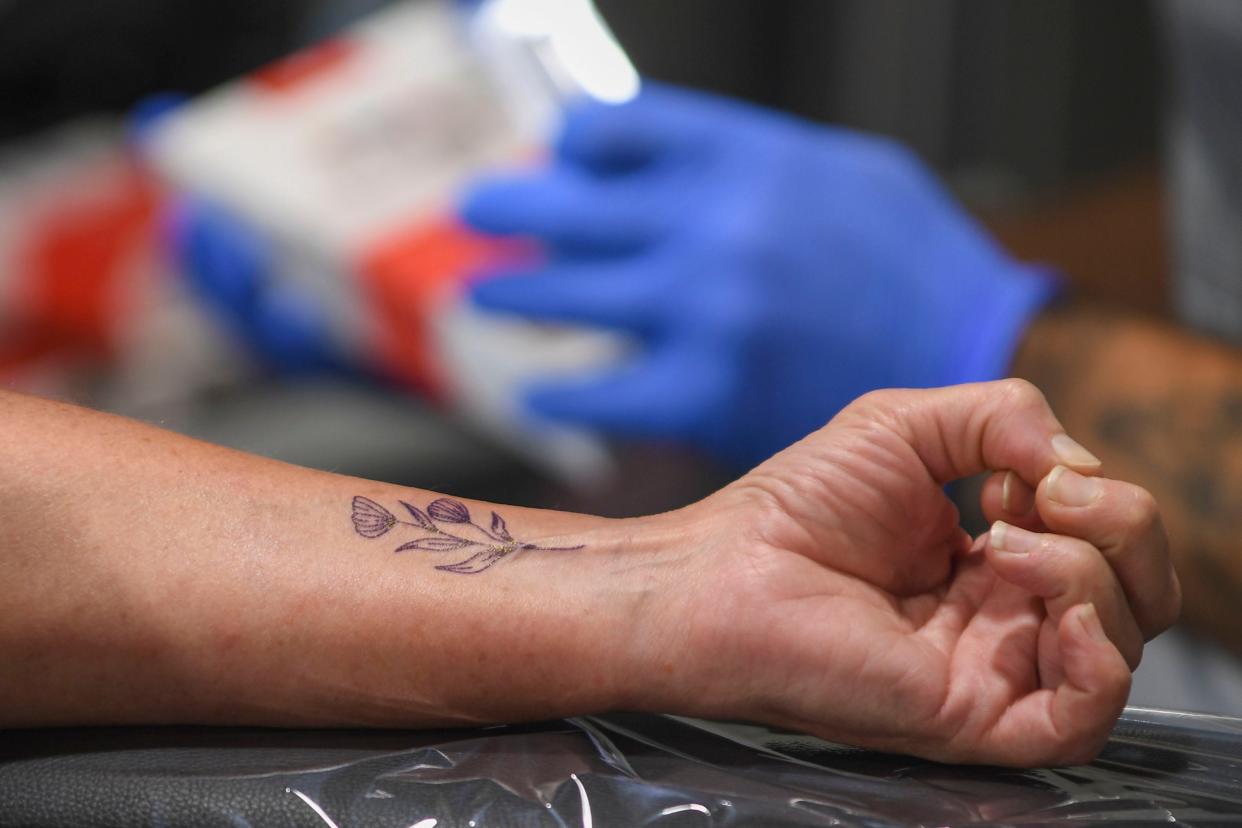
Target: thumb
[{"x": 963, "y": 430}]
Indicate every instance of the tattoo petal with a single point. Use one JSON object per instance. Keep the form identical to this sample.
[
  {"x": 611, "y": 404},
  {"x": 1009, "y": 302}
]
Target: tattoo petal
[
  {"x": 371, "y": 519},
  {"x": 447, "y": 510}
]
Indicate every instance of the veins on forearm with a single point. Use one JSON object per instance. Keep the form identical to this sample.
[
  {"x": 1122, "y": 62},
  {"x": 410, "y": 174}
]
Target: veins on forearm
[{"x": 488, "y": 546}]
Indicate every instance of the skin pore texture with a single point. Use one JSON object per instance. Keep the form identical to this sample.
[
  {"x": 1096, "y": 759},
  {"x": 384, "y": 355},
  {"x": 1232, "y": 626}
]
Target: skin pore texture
[
  {"x": 1162, "y": 408},
  {"x": 155, "y": 579}
]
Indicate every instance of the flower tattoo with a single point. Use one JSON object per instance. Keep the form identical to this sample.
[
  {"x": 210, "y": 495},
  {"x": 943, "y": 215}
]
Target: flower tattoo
[{"x": 494, "y": 544}]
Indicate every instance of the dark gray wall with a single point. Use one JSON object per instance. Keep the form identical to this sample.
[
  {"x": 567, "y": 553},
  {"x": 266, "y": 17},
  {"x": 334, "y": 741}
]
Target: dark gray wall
[{"x": 1040, "y": 91}]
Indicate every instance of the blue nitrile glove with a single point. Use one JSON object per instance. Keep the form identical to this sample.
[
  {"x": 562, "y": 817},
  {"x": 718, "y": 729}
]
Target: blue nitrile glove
[
  {"x": 228, "y": 265},
  {"x": 772, "y": 268}
]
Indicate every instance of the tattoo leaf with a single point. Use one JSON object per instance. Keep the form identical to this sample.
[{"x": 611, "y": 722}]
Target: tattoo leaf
[
  {"x": 371, "y": 519},
  {"x": 477, "y": 562},
  {"x": 499, "y": 529},
  {"x": 447, "y": 510},
  {"x": 419, "y": 516},
  {"x": 435, "y": 545}
]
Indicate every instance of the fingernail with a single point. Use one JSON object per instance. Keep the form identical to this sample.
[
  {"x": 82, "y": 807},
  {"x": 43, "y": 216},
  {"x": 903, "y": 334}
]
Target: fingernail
[
  {"x": 1016, "y": 497},
  {"x": 1071, "y": 453},
  {"x": 1089, "y": 617},
  {"x": 1011, "y": 540},
  {"x": 1069, "y": 488}
]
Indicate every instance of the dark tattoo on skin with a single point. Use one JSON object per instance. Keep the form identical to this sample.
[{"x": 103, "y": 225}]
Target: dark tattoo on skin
[
  {"x": 1187, "y": 439},
  {"x": 493, "y": 545}
]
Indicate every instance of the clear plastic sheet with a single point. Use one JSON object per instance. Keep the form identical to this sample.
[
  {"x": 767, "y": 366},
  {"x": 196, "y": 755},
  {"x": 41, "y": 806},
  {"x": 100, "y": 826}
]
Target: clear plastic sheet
[{"x": 619, "y": 770}]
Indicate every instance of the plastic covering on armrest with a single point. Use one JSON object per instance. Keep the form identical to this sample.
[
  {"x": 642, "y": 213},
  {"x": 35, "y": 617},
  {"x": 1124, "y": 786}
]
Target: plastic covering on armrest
[{"x": 1160, "y": 768}]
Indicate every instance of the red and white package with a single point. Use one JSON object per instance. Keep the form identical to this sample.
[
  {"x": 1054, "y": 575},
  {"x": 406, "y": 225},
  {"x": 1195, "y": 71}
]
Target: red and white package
[{"x": 349, "y": 158}]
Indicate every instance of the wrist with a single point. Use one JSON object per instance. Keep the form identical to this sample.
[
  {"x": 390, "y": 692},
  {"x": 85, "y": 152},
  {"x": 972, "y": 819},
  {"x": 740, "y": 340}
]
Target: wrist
[
  {"x": 630, "y": 630},
  {"x": 686, "y": 588},
  {"x": 582, "y": 622},
  {"x": 636, "y": 578}
]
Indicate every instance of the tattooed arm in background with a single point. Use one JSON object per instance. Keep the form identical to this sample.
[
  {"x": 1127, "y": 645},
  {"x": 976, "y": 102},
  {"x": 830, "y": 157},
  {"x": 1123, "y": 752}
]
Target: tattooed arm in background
[
  {"x": 1162, "y": 408},
  {"x": 149, "y": 578}
]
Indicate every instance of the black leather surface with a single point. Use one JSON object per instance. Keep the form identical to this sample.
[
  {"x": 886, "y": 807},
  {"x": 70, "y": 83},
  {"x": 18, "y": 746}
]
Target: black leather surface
[{"x": 174, "y": 777}]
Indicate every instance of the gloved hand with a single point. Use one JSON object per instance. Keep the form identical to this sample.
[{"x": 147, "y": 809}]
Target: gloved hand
[
  {"x": 229, "y": 267},
  {"x": 773, "y": 269}
]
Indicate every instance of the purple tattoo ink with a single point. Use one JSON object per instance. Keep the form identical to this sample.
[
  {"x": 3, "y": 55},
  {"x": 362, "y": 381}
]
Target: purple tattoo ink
[{"x": 371, "y": 520}]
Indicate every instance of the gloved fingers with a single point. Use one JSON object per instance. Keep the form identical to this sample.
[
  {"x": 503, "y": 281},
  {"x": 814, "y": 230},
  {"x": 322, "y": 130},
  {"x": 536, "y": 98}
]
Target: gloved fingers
[
  {"x": 963, "y": 430},
  {"x": 565, "y": 209},
  {"x": 609, "y": 138},
  {"x": 1065, "y": 572},
  {"x": 664, "y": 121},
  {"x": 621, "y": 297},
  {"x": 668, "y": 394},
  {"x": 1123, "y": 521}
]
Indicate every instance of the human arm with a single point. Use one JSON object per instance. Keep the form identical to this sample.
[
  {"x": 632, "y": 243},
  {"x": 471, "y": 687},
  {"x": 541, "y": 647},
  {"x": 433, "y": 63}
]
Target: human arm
[
  {"x": 152, "y": 578},
  {"x": 156, "y": 579},
  {"x": 1161, "y": 407}
]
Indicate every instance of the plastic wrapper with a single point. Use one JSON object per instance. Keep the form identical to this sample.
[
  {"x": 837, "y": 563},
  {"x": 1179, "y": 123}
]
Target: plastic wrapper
[{"x": 1160, "y": 768}]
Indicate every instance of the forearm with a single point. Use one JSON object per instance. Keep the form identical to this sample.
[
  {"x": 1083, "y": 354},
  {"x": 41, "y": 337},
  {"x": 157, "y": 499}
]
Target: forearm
[
  {"x": 1163, "y": 409},
  {"x": 152, "y": 578}
]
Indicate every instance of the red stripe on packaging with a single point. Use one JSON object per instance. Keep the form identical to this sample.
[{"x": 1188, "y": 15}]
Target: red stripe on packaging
[
  {"x": 407, "y": 276},
  {"x": 290, "y": 72},
  {"x": 74, "y": 258}
]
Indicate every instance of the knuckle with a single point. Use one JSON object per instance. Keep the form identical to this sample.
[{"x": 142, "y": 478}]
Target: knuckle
[
  {"x": 883, "y": 410},
  {"x": 1131, "y": 523},
  {"x": 1022, "y": 393},
  {"x": 1079, "y": 561},
  {"x": 1142, "y": 513},
  {"x": 881, "y": 399}
]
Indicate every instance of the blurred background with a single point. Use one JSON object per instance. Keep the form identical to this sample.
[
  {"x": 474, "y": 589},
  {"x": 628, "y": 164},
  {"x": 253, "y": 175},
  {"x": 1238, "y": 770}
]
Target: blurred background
[{"x": 1045, "y": 117}]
